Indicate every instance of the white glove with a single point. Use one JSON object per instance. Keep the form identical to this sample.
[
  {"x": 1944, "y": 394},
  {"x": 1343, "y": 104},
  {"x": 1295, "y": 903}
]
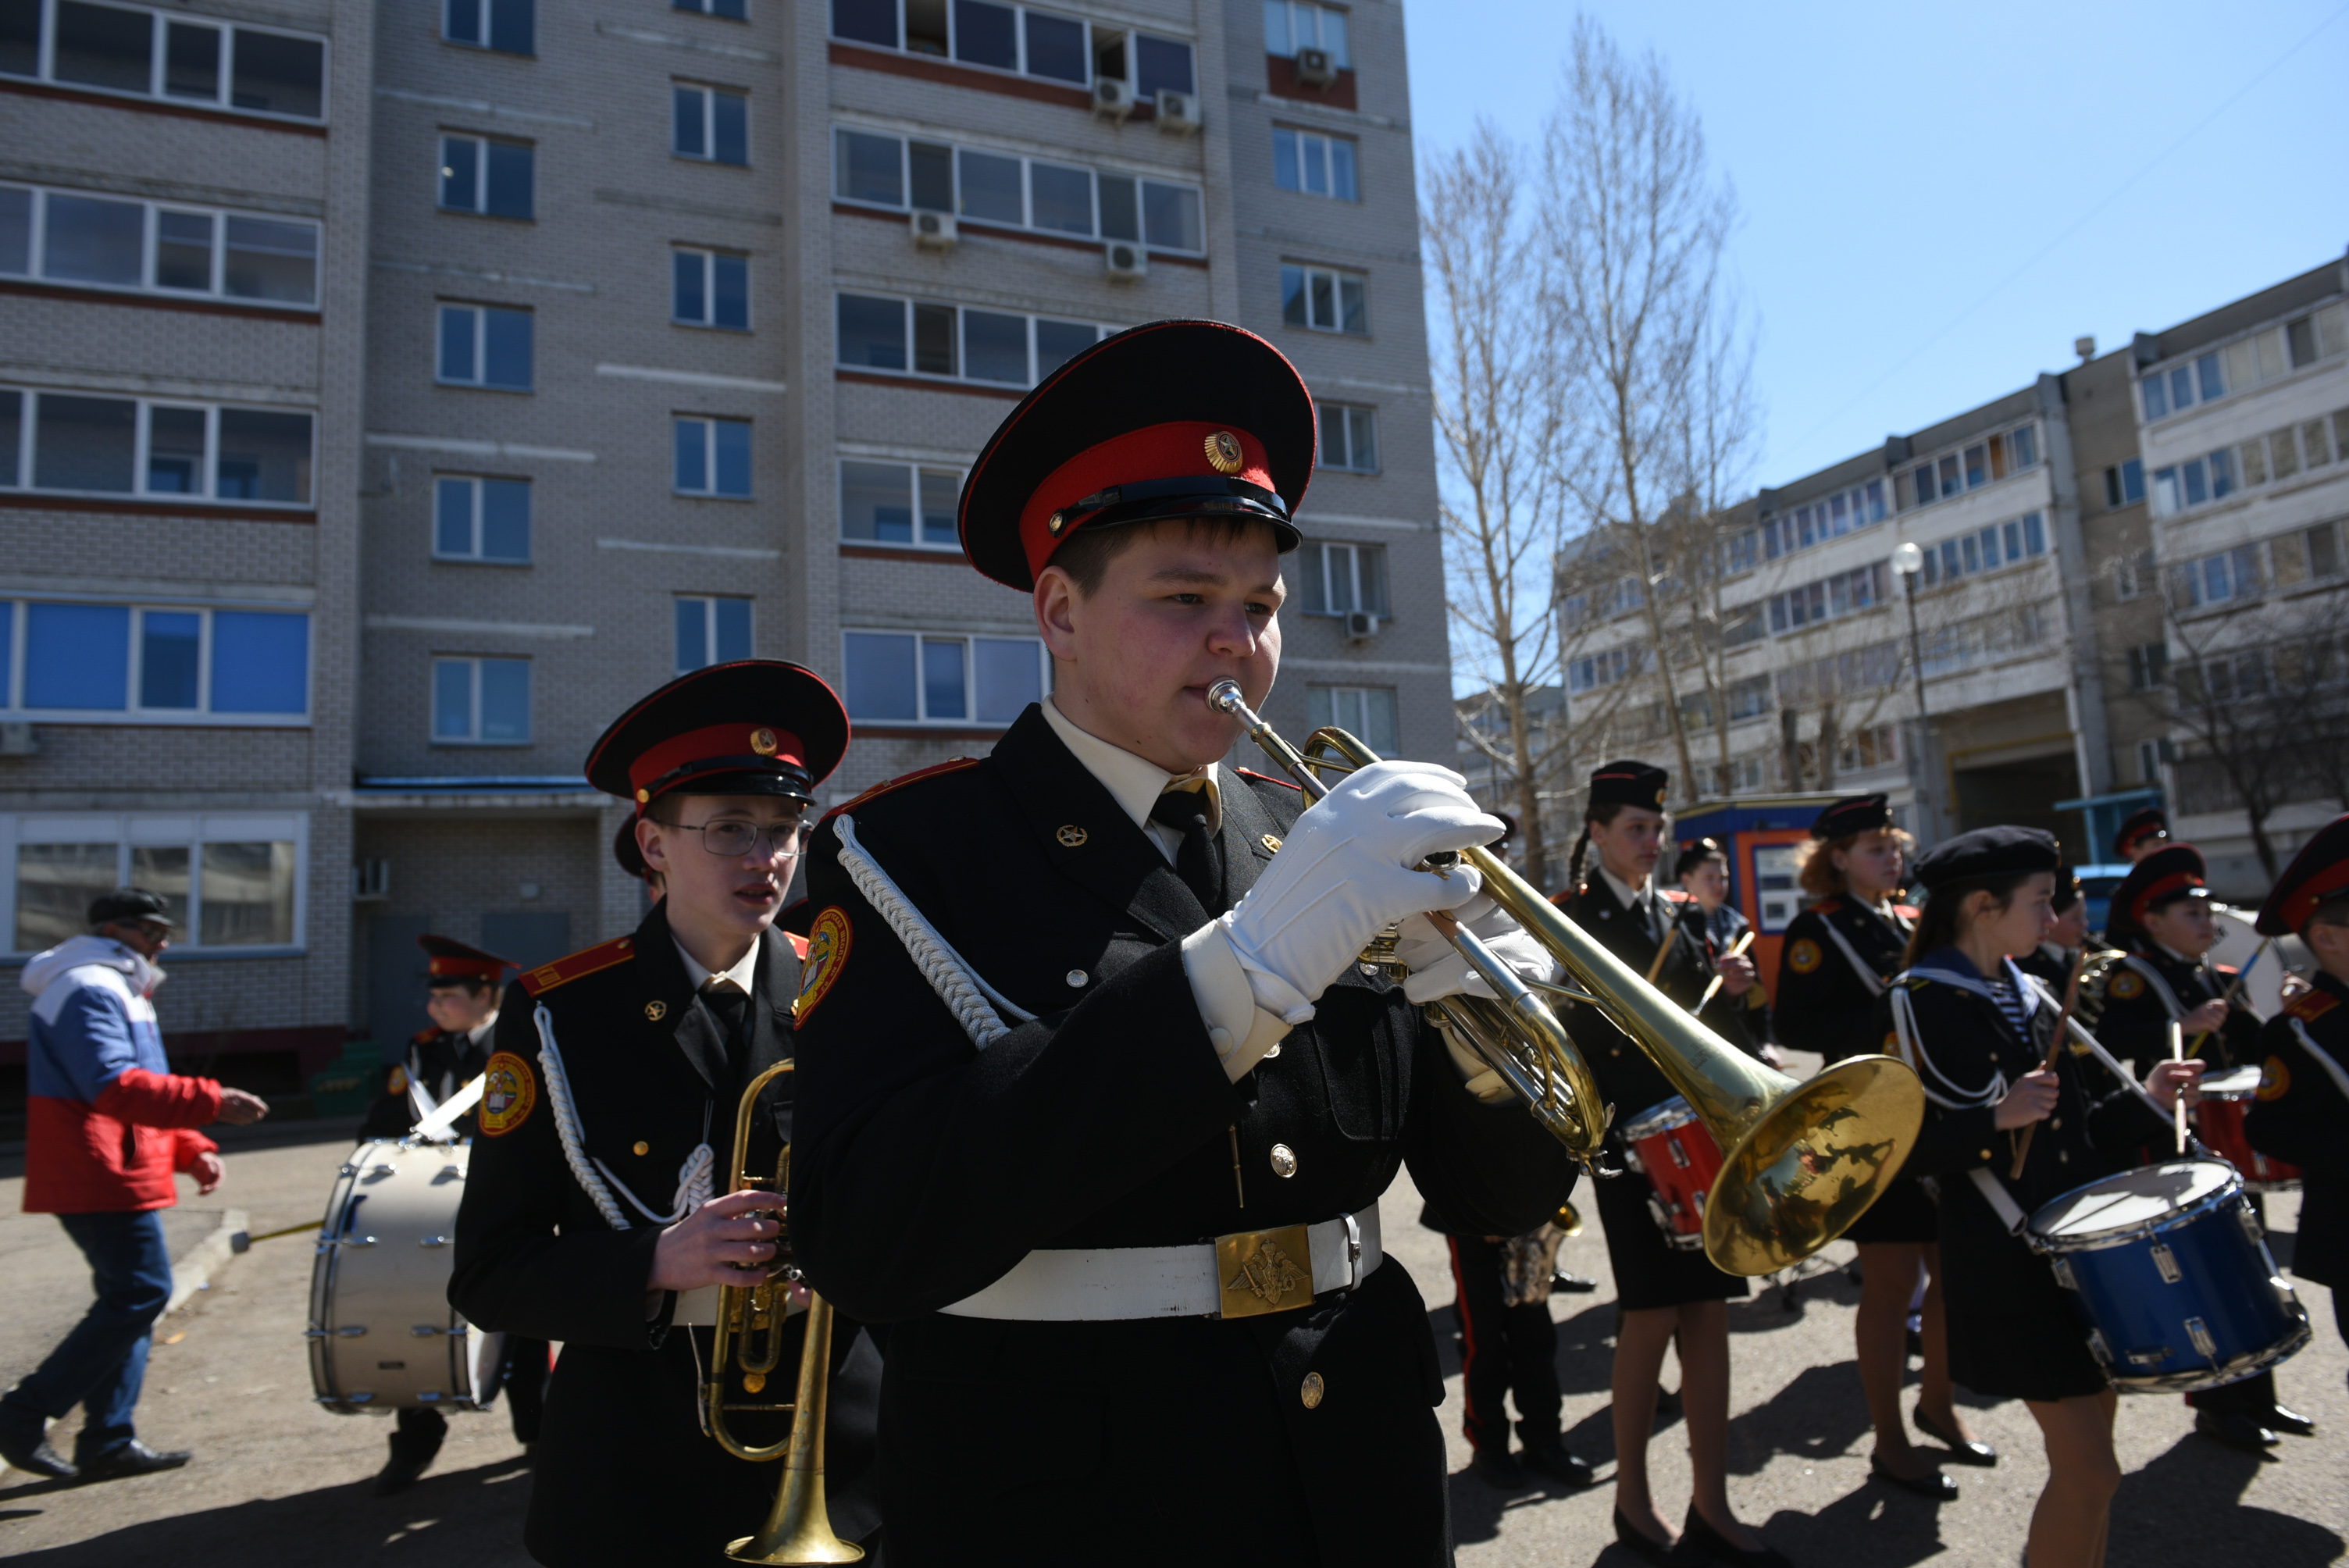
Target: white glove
[
  {"x": 1439, "y": 969},
  {"x": 1344, "y": 875}
]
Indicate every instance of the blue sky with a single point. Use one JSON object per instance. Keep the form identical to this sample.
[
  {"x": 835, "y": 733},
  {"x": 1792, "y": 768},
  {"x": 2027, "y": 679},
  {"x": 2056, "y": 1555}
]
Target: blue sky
[{"x": 1896, "y": 165}]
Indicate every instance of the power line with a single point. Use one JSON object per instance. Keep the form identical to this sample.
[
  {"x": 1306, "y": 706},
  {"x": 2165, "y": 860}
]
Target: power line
[{"x": 2080, "y": 222}]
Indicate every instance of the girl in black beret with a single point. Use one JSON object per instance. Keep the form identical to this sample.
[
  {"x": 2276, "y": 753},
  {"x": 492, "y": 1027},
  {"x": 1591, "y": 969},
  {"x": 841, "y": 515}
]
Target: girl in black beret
[{"x": 1977, "y": 1030}]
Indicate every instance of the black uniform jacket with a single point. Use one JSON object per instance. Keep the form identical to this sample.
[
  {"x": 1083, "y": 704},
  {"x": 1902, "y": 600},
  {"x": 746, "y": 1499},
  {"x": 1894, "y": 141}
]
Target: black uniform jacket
[
  {"x": 2302, "y": 1114},
  {"x": 1967, "y": 1053},
  {"x": 442, "y": 1062},
  {"x": 1823, "y": 1003},
  {"x": 624, "y": 1473},
  {"x": 2051, "y": 965},
  {"x": 927, "y": 1169},
  {"x": 2129, "y": 1003}
]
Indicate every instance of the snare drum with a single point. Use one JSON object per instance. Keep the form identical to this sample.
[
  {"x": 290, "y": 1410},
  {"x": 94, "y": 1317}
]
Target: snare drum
[
  {"x": 1677, "y": 1152},
  {"x": 2226, "y": 1099},
  {"x": 2171, "y": 1269},
  {"x": 382, "y": 1335}
]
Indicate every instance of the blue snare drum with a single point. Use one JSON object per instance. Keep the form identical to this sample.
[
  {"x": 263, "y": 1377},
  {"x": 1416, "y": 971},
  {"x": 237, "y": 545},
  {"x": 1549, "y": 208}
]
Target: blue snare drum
[{"x": 2171, "y": 1271}]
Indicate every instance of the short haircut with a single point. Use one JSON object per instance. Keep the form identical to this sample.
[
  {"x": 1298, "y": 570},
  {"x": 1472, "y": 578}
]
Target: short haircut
[
  {"x": 2332, "y": 911},
  {"x": 474, "y": 983},
  {"x": 1087, "y": 555}
]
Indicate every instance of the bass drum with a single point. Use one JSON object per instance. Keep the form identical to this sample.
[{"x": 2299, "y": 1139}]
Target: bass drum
[{"x": 382, "y": 1334}]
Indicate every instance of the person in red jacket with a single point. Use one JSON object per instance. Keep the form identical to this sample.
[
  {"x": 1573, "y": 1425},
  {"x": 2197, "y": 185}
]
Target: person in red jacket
[{"x": 107, "y": 1125}]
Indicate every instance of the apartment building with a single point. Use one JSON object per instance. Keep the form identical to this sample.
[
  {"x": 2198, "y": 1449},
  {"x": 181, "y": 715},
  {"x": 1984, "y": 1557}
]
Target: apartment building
[
  {"x": 183, "y": 279},
  {"x": 630, "y": 336}
]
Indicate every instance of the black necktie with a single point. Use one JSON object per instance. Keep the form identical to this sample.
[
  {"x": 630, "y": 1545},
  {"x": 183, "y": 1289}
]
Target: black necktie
[
  {"x": 727, "y": 1004},
  {"x": 1198, "y": 859}
]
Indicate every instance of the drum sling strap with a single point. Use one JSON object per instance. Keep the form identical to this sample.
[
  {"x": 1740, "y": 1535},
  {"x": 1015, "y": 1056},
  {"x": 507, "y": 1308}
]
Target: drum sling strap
[
  {"x": 1867, "y": 973},
  {"x": 2323, "y": 1058}
]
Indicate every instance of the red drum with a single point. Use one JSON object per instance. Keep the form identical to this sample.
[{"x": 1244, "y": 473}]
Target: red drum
[
  {"x": 1679, "y": 1158},
  {"x": 2226, "y": 1097}
]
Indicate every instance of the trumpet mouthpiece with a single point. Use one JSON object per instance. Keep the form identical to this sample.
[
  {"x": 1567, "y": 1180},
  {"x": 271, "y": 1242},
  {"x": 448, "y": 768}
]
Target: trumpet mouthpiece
[{"x": 1224, "y": 696}]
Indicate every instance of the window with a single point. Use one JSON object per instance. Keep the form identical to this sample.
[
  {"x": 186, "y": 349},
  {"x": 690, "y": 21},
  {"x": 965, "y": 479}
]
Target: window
[
  {"x": 907, "y": 678},
  {"x": 2124, "y": 485},
  {"x": 180, "y": 663},
  {"x": 2150, "y": 756},
  {"x": 1868, "y": 748},
  {"x": 90, "y": 242},
  {"x": 1970, "y": 468},
  {"x": 1592, "y": 671},
  {"x": 2224, "y": 577},
  {"x": 492, "y": 178},
  {"x": 2324, "y": 551},
  {"x": 710, "y": 124},
  {"x": 2000, "y": 544},
  {"x": 1291, "y": 24},
  {"x": 898, "y": 503},
  {"x": 508, "y": 27},
  {"x": 1749, "y": 699},
  {"x": 712, "y": 631},
  {"x": 174, "y": 56},
  {"x": 1350, "y": 438},
  {"x": 1013, "y": 193},
  {"x": 2133, "y": 574},
  {"x": 733, "y": 10},
  {"x": 483, "y": 346},
  {"x": 2181, "y": 386},
  {"x": 230, "y": 882},
  {"x": 480, "y": 702},
  {"x": 710, "y": 288},
  {"x": 713, "y": 458},
  {"x": 1314, "y": 165},
  {"x": 1842, "y": 594},
  {"x": 1338, "y": 578},
  {"x": 1368, "y": 713},
  {"x": 480, "y": 519},
  {"x": 955, "y": 341},
  {"x": 2249, "y": 362},
  {"x": 1019, "y": 39},
  {"x": 132, "y": 445},
  {"x": 2205, "y": 478},
  {"x": 1830, "y": 517},
  {"x": 2148, "y": 665},
  {"x": 1323, "y": 300}
]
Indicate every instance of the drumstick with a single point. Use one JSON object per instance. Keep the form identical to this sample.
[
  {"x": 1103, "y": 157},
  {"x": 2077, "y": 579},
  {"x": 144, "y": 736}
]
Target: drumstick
[
  {"x": 1663, "y": 949},
  {"x": 2063, "y": 1029},
  {"x": 2177, "y": 1105},
  {"x": 1736, "y": 949},
  {"x": 2195, "y": 1048}
]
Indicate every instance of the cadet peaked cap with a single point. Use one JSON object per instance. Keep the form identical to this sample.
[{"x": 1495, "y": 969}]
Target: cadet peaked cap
[
  {"x": 2147, "y": 823},
  {"x": 1988, "y": 853},
  {"x": 127, "y": 906},
  {"x": 2067, "y": 888},
  {"x": 1629, "y": 783},
  {"x": 755, "y": 727},
  {"x": 1171, "y": 418},
  {"x": 2317, "y": 876},
  {"x": 2171, "y": 872},
  {"x": 449, "y": 962},
  {"x": 1852, "y": 814}
]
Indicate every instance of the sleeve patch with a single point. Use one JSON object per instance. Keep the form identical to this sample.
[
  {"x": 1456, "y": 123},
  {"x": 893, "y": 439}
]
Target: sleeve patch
[
  {"x": 1804, "y": 956},
  {"x": 508, "y": 1094},
  {"x": 2275, "y": 1079},
  {"x": 395, "y": 1082},
  {"x": 827, "y": 954},
  {"x": 2126, "y": 986}
]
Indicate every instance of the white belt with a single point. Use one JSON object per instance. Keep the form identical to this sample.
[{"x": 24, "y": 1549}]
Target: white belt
[{"x": 1246, "y": 1274}]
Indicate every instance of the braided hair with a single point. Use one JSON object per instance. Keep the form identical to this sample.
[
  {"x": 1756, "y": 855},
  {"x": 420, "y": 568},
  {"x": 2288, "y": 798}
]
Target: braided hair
[{"x": 1594, "y": 816}]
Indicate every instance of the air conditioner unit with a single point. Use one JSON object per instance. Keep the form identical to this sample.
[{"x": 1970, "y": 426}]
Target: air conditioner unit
[
  {"x": 371, "y": 880},
  {"x": 1361, "y": 625},
  {"x": 1113, "y": 98},
  {"x": 1126, "y": 260},
  {"x": 1178, "y": 113},
  {"x": 934, "y": 231},
  {"x": 1315, "y": 68}
]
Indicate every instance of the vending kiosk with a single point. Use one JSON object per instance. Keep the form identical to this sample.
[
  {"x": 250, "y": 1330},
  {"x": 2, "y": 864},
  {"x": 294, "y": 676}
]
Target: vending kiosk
[{"x": 1762, "y": 834}]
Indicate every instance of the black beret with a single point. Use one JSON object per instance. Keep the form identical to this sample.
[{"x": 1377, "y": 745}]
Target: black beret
[
  {"x": 2317, "y": 876},
  {"x": 1988, "y": 853},
  {"x": 2146, "y": 823},
  {"x": 129, "y": 906},
  {"x": 1852, "y": 814},
  {"x": 1629, "y": 783},
  {"x": 2171, "y": 872}
]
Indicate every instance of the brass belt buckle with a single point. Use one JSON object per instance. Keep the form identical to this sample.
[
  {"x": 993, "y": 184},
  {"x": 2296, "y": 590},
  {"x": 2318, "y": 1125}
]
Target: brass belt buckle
[{"x": 1258, "y": 1271}]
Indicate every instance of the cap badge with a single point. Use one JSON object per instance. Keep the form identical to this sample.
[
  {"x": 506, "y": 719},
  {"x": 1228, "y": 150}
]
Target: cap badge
[
  {"x": 656, "y": 1010},
  {"x": 1223, "y": 452},
  {"x": 1659, "y": 797},
  {"x": 1072, "y": 837},
  {"x": 762, "y": 741}
]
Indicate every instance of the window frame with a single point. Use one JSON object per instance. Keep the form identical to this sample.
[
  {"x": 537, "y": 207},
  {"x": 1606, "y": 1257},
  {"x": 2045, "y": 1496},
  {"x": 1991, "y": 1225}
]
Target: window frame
[
  {"x": 1339, "y": 277},
  {"x": 1340, "y": 57},
  {"x": 489, "y": 28},
  {"x": 960, "y": 375},
  {"x": 159, "y": 41},
  {"x": 709, "y": 8},
  {"x": 1325, "y": 143},
  {"x": 141, "y": 449},
  {"x": 1324, "y": 555},
  {"x": 1094, "y": 174},
  {"x": 709, "y": 602},
  {"x": 482, "y": 176},
  {"x": 1801, "y": 607},
  {"x": 1347, "y": 413},
  {"x": 710, "y": 423},
  {"x": 134, "y": 712},
  {"x": 709, "y": 256},
  {"x": 1097, "y": 33},
  {"x": 914, "y": 472},
  {"x": 709, "y": 93},
  {"x": 481, "y": 314},
  {"x": 131, "y": 830},
  {"x": 1972, "y": 549},
  {"x": 1951, "y": 471},
  {"x": 1824, "y": 518},
  {"x": 479, "y": 507},
  {"x": 1331, "y": 692},
  {"x": 922, "y": 638},
  {"x": 150, "y": 243},
  {"x": 473, "y": 701}
]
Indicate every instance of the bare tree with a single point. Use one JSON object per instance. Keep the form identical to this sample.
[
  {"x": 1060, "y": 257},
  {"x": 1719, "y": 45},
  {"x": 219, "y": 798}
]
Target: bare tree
[{"x": 1634, "y": 228}]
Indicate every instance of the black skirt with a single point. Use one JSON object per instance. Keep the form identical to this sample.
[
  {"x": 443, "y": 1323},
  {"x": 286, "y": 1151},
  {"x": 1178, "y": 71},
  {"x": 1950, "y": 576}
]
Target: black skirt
[
  {"x": 1904, "y": 1212},
  {"x": 1648, "y": 1270},
  {"x": 2024, "y": 1340}
]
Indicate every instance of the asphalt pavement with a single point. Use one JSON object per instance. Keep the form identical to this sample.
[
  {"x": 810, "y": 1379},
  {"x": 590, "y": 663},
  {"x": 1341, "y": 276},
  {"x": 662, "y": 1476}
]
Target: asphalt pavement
[{"x": 277, "y": 1480}]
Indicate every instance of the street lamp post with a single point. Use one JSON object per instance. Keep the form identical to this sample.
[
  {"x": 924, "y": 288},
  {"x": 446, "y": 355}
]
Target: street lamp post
[{"x": 1908, "y": 560}]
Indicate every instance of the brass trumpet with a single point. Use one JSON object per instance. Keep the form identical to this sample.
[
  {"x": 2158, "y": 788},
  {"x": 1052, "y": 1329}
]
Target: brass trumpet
[
  {"x": 1804, "y": 1158},
  {"x": 750, "y": 1324}
]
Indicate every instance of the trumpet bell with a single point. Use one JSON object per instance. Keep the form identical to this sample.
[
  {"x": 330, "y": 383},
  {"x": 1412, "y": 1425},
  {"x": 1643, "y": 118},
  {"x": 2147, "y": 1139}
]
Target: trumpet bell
[{"x": 1811, "y": 1164}]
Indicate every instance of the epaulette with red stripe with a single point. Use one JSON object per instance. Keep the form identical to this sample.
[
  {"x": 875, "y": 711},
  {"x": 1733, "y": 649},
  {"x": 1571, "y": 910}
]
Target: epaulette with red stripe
[
  {"x": 424, "y": 1037},
  {"x": 1268, "y": 779},
  {"x": 886, "y": 785},
  {"x": 2227, "y": 970},
  {"x": 2311, "y": 1005},
  {"x": 538, "y": 982},
  {"x": 1827, "y": 906},
  {"x": 799, "y": 944},
  {"x": 1677, "y": 895},
  {"x": 1908, "y": 912}
]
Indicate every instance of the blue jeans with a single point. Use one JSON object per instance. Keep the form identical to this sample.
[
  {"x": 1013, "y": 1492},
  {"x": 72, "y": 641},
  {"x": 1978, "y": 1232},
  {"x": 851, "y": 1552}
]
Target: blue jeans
[{"x": 101, "y": 1364}]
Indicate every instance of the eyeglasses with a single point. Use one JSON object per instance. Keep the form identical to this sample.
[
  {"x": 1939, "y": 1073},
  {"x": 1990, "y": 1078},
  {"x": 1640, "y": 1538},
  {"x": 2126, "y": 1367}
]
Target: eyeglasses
[{"x": 739, "y": 840}]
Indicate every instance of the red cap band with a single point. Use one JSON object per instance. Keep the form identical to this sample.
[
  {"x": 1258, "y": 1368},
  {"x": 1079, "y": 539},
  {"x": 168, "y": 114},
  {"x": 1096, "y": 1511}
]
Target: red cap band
[
  {"x": 1160, "y": 452},
  {"x": 448, "y": 968},
  {"x": 2161, "y": 888},
  {"x": 715, "y": 743},
  {"x": 2316, "y": 891}
]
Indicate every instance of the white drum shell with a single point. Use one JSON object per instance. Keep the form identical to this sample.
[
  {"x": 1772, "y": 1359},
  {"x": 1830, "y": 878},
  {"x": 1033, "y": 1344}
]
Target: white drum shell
[{"x": 382, "y": 1334}]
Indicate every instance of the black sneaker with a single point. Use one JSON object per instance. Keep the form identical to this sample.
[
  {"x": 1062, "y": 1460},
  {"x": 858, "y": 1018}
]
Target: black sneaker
[
  {"x": 2238, "y": 1432},
  {"x": 1494, "y": 1467},
  {"x": 1552, "y": 1460},
  {"x": 34, "y": 1456},
  {"x": 1572, "y": 1284},
  {"x": 133, "y": 1458}
]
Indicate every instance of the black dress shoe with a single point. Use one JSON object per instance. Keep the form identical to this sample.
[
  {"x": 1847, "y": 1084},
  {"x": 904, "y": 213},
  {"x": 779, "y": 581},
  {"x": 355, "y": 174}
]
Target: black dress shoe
[
  {"x": 2238, "y": 1432},
  {"x": 1932, "y": 1485},
  {"x": 1961, "y": 1451},
  {"x": 133, "y": 1458},
  {"x": 1551, "y": 1460},
  {"x": 1703, "y": 1537},
  {"x": 2291, "y": 1423},
  {"x": 1645, "y": 1547},
  {"x": 34, "y": 1456},
  {"x": 1496, "y": 1469},
  {"x": 1572, "y": 1284}
]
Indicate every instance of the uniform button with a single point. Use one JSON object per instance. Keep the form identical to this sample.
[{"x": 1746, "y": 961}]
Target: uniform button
[
  {"x": 2063, "y": 1156},
  {"x": 1284, "y": 1160},
  {"x": 1076, "y": 979},
  {"x": 2056, "y": 1122},
  {"x": 1222, "y": 1040},
  {"x": 1271, "y": 1052},
  {"x": 1311, "y": 1390},
  {"x": 643, "y": 1147},
  {"x": 1985, "y": 1154}
]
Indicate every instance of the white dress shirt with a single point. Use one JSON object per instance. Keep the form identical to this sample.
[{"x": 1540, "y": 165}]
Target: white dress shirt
[{"x": 739, "y": 977}]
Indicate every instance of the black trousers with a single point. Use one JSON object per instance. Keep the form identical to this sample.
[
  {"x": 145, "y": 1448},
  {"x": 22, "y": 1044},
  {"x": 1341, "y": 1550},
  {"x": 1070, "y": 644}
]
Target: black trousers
[
  {"x": 1504, "y": 1350},
  {"x": 419, "y": 1429}
]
